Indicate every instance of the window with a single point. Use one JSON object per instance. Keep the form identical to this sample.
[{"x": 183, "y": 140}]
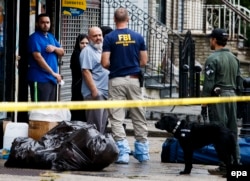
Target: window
[{"x": 161, "y": 11}]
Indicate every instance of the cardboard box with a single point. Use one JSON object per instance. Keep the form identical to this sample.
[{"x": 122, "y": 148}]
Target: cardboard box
[{"x": 39, "y": 128}]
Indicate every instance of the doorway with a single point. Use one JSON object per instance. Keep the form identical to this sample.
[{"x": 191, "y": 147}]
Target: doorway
[{"x": 27, "y": 27}]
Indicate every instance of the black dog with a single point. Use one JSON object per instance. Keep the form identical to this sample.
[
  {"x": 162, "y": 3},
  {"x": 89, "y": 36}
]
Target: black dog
[{"x": 192, "y": 136}]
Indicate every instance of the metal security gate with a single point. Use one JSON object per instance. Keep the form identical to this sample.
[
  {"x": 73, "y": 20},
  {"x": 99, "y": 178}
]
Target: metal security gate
[
  {"x": 71, "y": 26},
  {"x": 189, "y": 73}
]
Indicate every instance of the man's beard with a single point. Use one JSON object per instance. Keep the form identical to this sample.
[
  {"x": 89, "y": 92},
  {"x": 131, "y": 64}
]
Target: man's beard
[
  {"x": 97, "y": 46},
  {"x": 212, "y": 47}
]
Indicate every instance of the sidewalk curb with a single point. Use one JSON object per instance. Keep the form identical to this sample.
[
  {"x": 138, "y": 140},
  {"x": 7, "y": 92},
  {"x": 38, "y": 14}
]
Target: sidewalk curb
[{"x": 130, "y": 132}]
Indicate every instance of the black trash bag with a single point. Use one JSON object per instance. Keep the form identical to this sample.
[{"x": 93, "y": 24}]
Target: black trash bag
[
  {"x": 61, "y": 132},
  {"x": 86, "y": 149},
  {"x": 29, "y": 153}
]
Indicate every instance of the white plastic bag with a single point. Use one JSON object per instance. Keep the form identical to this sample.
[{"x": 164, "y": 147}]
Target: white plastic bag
[{"x": 50, "y": 115}]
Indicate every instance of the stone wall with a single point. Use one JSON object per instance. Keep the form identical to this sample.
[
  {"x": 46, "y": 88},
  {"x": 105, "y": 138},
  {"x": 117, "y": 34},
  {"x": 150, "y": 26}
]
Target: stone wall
[{"x": 202, "y": 48}]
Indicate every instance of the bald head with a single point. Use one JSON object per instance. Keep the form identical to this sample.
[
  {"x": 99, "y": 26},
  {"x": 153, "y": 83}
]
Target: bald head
[
  {"x": 94, "y": 30},
  {"x": 121, "y": 15}
]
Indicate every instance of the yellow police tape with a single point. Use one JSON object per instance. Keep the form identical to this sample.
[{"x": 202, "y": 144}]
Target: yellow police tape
[{"x": 77, "y": 105}]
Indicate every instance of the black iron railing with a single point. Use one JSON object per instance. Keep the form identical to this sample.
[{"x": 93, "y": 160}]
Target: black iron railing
[
  {"x": 165, "y": 48},
  {"x": 161, "y": 41}
]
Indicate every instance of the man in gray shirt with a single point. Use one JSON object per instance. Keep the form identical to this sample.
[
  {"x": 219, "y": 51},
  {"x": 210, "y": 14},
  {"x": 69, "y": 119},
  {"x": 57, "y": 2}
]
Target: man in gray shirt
[{"x": 95, "y": 78}]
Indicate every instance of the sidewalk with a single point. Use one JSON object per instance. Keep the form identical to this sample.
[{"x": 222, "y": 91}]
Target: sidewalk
[{"x": 153, "y": 170}]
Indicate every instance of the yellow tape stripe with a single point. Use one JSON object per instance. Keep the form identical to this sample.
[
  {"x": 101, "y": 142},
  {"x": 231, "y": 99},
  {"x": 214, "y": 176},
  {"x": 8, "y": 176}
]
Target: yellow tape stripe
[{"x": 76, "y": 105}]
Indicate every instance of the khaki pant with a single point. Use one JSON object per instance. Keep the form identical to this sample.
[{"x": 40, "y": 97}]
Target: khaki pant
[{"x": 126, "y": 88}]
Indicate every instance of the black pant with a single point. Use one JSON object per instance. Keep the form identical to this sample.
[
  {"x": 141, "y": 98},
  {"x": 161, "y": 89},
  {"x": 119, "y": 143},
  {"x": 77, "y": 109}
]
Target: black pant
[{"x": 40, "y": 91}]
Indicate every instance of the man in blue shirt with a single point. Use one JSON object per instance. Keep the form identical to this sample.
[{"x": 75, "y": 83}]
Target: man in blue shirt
[
  {"x": 124, "y": 53},
  {"x": 95, "y": 78},
  {"x": 44, "y": 51}
]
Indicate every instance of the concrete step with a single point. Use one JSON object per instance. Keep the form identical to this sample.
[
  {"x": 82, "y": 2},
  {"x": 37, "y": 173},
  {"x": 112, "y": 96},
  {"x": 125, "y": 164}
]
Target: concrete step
[
  {"x": 150, "y": 79},
  {"x": 173, "y": 95},
  {"x": 152, "y": 131},
  {"x": 153, "y": 114},
  {"x": 162, "y": 89}
]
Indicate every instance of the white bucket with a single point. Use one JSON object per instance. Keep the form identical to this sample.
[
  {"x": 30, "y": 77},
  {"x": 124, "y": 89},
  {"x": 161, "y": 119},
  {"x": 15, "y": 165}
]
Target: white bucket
[{"x": 12, "y": 131}]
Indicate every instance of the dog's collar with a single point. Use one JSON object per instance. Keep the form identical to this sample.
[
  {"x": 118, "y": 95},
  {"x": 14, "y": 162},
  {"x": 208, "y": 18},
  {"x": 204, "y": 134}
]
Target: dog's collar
[{"x": 177, "y": 126}]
